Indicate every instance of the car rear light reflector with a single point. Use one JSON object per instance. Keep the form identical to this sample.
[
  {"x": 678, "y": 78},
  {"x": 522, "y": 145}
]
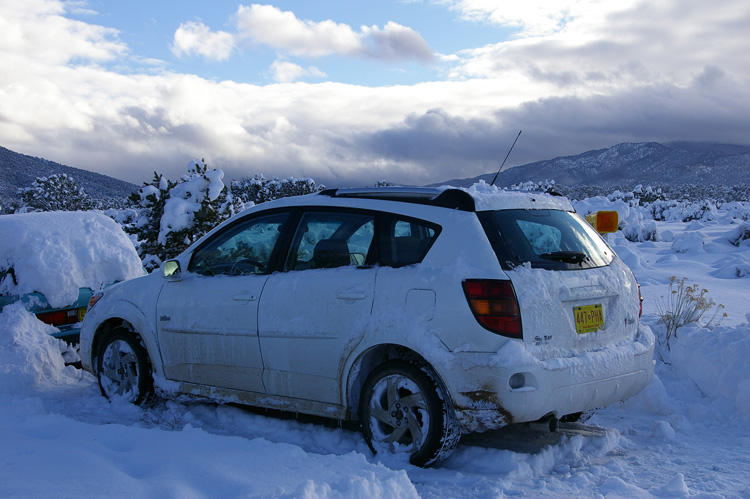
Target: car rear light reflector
[
  {"x": 494, "y": 305},
  {"x": 59, "y": 317}
]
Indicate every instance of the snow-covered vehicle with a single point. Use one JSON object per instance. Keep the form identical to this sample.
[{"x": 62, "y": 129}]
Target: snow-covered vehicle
[
  {"x": 54, "y": 261},
  {"x": 421, "y": 313}
]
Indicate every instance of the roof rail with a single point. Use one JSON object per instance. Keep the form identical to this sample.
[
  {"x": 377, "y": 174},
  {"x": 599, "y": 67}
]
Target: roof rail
[{"x": 446, "y": 198}]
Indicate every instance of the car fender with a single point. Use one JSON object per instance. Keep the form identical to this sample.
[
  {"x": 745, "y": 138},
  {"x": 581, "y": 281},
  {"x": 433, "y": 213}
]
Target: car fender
[
  {"x": 369, "y": 354},
  {"x": 119, "y": 308}
]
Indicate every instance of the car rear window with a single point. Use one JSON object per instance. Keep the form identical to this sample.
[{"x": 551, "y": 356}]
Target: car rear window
[{"x": 549, "y": 239}]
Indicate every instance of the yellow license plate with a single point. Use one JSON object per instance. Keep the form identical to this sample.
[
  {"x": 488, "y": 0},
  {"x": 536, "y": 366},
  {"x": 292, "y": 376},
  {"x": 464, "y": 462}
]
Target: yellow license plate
[
  {"x": 589, "y": 318},
  {"x": 81, "y": 313}
]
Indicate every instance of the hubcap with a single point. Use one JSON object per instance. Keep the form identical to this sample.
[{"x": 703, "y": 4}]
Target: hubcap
[
  {"x": 398, "y": 413},
  {"x": 119, "y": 373}
]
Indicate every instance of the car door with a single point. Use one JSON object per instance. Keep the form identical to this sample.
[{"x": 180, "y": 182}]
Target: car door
[
  {"x": 207, "y": 320},
  {"x": 316, "y": 311}
]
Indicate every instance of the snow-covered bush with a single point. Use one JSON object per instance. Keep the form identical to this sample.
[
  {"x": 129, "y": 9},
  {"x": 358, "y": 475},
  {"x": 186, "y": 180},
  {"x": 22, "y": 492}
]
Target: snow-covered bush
[
  {"x": 57, "y": 192},
  {"x": 548, "y": 186},
  {"x": 738, "y": 235},
  {"x": 173, "y": 215},
  {"x": 258, "y": 189}
]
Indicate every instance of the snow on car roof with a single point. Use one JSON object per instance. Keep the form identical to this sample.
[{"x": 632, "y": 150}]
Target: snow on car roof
[
  {"x": 490, "y": 197},
  {"x": 481, "y": 197},
  {"x": 56, "y": 253}
]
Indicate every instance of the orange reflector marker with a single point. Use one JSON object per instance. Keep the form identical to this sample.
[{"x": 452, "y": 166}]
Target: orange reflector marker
[{"x": 604, "y": 221}]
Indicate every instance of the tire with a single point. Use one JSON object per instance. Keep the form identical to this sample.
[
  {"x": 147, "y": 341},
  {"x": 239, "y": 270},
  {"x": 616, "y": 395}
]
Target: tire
[
  {"x": 403, "y": 409},
  {"x": 123, "y": 368}
]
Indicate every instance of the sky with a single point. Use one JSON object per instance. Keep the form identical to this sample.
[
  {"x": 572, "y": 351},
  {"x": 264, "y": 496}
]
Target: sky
[{"x": 350, "y": 93}]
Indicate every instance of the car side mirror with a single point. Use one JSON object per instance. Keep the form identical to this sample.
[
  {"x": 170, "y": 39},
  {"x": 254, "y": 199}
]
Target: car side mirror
[
  {"x": 604, "y": 221},
  {"x": 171, "y": 270}
]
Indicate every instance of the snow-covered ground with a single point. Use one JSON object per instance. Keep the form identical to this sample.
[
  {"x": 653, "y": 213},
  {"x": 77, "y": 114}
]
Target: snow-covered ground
[{"x": 686, "y": 435}]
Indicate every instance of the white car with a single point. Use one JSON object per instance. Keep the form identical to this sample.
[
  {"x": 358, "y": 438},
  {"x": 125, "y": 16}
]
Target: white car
[{"x": 422, "y": 313}]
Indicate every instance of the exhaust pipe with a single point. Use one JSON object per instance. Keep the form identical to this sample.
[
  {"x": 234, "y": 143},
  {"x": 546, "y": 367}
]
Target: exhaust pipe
[{"x": 547, "y": 423}]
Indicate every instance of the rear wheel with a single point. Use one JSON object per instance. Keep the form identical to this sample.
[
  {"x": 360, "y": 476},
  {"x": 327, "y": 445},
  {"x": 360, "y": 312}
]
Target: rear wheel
[
  {"x": 404, "y": 409},
  {"x": 123, "y": 368}
]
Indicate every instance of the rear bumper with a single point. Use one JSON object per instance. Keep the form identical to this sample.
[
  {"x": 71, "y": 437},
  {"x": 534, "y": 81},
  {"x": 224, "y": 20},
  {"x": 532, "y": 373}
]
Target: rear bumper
[{"x": 558, "y": 386}]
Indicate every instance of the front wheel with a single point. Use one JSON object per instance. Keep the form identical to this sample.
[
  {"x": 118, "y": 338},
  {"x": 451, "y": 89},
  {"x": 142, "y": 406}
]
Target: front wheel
[
  {"x": 123, "y": 368},
  {"x": 404, "y": 409}
]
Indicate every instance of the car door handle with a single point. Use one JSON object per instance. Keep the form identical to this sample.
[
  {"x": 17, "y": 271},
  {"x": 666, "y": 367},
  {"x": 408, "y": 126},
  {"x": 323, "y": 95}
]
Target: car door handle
[
  {"x": 351, "y": 295},
  {"x": 244, "y": 297}
]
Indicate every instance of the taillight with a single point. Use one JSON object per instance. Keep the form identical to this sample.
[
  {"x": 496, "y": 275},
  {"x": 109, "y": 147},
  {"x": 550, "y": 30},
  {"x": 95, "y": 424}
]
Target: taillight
[
  {"x": 495, "y": 306},
  {"x": 60, "y": 317}
]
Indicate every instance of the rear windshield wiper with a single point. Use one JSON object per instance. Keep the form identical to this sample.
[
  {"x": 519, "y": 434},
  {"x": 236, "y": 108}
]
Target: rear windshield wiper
[{"x": 565, "y": 256}]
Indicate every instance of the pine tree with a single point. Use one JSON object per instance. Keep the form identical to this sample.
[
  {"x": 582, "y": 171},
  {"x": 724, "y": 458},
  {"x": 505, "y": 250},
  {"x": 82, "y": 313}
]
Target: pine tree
[
  {"x": 149, "y": 202},
  {"x": 53, "y": 193},
  {"x": 173, "y": 215},
  {"x": 258, "y": 189}
]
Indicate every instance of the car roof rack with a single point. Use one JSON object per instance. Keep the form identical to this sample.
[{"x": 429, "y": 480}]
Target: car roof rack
[{"x": 456, "y": 199}]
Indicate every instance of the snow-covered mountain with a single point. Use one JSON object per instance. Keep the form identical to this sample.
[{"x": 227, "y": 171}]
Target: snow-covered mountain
[
  {"x": 19, "y": 170},
  {"x": 629, "y": 164}
]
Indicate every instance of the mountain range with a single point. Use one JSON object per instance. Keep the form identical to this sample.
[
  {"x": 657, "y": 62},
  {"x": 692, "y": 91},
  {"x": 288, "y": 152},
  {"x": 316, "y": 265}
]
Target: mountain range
[
  {"x": 19, "y": 170},
  {"x": 621, "y": 166},
  {"x": 628, "y": 164}
]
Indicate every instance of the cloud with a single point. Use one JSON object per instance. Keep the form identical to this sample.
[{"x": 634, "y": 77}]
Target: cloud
[
  {"x": 535, "y": 17},
  {"x": 195, "y": 38},
  {"x": 283, "y": 31},
  {"x": 592, "y": 84},
  {"x": 38, "y": 31},
  {"x": 442, "y": 145},
  {"x": 287, "y": 72},
  {"x": 604, "y": 52},
  {"x": 394, "y": 42}
]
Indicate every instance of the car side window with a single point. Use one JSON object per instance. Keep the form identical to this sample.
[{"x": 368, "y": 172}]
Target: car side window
[
  {"x": 241, "y": 249},
  {"x": 331, "y": 239},
  {"x": 407, "y": 241}
]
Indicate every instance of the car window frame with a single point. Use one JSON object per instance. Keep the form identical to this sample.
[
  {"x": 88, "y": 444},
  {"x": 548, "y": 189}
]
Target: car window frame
[
  {"x": 372, "y": 256},
  {"x": 385, "y": 238},
  {"x": 247, "y": 219}
]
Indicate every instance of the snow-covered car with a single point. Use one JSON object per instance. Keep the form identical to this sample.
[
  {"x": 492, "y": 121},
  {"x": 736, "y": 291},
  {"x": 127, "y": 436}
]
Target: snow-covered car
[
  {"x": 52, "y": 262},
  {"x": 422, "y": 313}
]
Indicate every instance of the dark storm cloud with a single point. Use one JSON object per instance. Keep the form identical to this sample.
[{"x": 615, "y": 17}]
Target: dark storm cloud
[{"x": 450, "y": 146}]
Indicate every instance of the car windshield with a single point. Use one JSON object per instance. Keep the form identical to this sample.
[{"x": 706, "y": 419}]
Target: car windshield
[{"x": 550, "y": 239}]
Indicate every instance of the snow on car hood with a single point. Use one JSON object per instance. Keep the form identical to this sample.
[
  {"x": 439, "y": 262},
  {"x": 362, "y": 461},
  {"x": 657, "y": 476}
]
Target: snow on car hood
[{"x": 56, "y": 253}]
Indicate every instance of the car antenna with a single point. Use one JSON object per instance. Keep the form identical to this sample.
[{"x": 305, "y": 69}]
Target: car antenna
[{"x": 506, "y": 157}]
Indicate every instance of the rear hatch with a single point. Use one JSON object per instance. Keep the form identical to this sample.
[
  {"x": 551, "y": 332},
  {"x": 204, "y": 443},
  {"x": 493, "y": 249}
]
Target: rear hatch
[{"x": 574, "y": 294}]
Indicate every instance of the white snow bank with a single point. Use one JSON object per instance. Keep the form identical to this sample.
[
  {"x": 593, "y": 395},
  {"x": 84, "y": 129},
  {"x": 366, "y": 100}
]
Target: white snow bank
[
  {"x": 718, "y": 361},
  {"x": 29, "y": 356},
  {"x": 55, "y": 253}
]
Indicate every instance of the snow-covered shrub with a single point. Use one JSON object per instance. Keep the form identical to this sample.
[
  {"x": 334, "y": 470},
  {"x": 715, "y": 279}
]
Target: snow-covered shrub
[
  {"x": 57, "y": 192},
  {"x": 685, "y": 304},
  {"x": 548, "y": 186},
  {"x": 173, "y": 215},
  {"x": 739, "y": 234},
  {"x": 703, "y": 210},
  {"x": 258, "y": 189},
  {"x": 689, "y": 242}
]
